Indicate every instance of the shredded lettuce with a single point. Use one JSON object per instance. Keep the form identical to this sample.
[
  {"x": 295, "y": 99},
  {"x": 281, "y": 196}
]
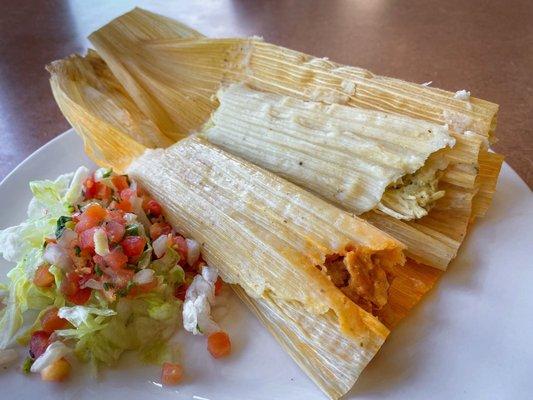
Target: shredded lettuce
[{"x": 100, "y": 331}]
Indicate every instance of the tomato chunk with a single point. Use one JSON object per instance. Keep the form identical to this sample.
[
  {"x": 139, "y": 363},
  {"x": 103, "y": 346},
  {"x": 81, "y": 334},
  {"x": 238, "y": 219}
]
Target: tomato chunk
[
  {"x": 218, "y": 344},
  {"x": 127, "y": 194},
  {"x": 86, "y": 239},
  {"x": 39, "y": 341},
  {"x": 70, "y": 287},
  {"x": 125, "y": 205},
  {"x": 158, "y": 229},
  {"x": 115, "y": 231},
  {"x": 133, "y": 245},
  {"x": 51, "y": 322},
  {"x": 181, "y": 291},
  {"x": 171, "y": 374},
  {"x": 153, "y": 208},
  {"x": 218, "y": 286},
  {"x": 43, "y": 277},
  {"x": 120, "y": 182},
  {"x": 116, "y": 258},
  {"x": 91, "y": 217}
]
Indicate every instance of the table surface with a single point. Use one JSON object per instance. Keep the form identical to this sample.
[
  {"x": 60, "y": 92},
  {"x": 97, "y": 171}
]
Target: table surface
[{"x": 482, "y": 46}]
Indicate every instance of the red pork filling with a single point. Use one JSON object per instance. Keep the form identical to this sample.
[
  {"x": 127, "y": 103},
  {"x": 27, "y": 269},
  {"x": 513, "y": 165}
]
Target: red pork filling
[{"x": 360, "y": 277}]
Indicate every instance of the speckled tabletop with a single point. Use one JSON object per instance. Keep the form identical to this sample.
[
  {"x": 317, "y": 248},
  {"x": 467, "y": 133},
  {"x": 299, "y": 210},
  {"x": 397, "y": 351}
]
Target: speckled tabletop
[{"x": 482, "y": 46}]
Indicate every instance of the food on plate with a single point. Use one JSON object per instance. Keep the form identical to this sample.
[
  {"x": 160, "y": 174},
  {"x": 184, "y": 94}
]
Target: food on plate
[
  {"x": 173, "y": 75},
  {"x": 359, "y": 159},
  {"x": 104, "y": 272},
  {"x": 412, "y": 160}
]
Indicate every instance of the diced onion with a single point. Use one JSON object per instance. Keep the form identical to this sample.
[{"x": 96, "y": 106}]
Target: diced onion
[
  {"x": 130, "y": 218},
  {"x": 160, "y": 245},
  {"x": 193, "y": 251},
  {"x": 56, "y": 255},
  {"x": 67, "y": 237},
  {"x": 144, "y": 276},
  {"x": 93, "y": 284},
  {"x": 54, "y": 352},
  {"x": 101, "y": 245},
  {"x": 210, "y": 274}
]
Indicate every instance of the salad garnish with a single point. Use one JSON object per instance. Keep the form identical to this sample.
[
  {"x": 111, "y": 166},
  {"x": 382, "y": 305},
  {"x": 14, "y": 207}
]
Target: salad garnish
[{"x": 100, "y": 271}]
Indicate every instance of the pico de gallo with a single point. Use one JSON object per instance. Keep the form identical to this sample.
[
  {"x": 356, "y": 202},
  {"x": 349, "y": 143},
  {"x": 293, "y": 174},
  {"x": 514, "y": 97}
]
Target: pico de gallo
[{"x": 105, "y": 273}]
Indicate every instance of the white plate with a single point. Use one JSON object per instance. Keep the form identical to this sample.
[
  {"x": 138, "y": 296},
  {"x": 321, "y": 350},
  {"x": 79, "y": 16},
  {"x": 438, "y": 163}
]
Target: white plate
[{"x": 469, "y": 339}]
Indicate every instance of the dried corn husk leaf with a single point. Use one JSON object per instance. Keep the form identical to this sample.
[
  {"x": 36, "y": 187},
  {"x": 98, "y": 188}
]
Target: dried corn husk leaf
[{"x": 202, "y": 65}]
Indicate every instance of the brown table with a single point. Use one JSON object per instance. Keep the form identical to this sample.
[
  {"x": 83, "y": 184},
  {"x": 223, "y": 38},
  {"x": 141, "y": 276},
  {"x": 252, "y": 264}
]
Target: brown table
[{"x": 483, "y": 46}]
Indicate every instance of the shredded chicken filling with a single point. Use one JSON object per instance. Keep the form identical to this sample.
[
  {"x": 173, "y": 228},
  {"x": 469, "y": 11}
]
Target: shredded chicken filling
[
  {"x": 360, "y": 277},
  {"x": 413, "y": 195}
]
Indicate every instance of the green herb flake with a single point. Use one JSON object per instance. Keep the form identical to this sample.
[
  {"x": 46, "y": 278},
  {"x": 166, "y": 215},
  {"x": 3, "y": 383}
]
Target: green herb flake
[
  {"x": 28, "y": 362},
  {"x": 108, "y": 285},
  {"x": 60, "y": 226},
  {"x": 107, "y": 173},
  {"x": 98, "y": 270},
  {"x": 77, "y": 250},
  {"x": 132, "y": 230},
  {"x": 123, "y": 292}
]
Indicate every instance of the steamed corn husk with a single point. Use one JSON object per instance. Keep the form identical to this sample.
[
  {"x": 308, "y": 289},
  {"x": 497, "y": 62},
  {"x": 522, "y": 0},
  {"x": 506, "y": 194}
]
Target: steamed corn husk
[
  {"x": 182, "y": 76},
  {"x": 348, "y": 155}
]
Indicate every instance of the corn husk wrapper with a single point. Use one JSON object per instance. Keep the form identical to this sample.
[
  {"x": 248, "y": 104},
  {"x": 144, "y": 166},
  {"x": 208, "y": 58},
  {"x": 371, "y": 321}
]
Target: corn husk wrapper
[
  {"x": 181, "y": 76},
  {"x": 329, "y": 361}
]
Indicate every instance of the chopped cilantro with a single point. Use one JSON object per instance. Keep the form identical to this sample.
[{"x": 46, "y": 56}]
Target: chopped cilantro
[
  {"x": 108, "y": 285},
  {"x": 126, "y": 290},
  {"x": 60, "y": 226},
  {"x": 77, "y": 250},
  {"x": 98, "y": 270},
  {"x": 132, "y": 230}
]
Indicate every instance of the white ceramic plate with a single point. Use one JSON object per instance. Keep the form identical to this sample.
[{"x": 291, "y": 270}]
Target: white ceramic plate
[{"x": 469, "y": 339}]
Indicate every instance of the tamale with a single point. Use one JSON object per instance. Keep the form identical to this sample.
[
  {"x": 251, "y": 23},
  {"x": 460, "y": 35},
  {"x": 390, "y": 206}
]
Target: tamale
[
  {"x": 348, "y": 155},
  {"x": 182, "y": 77}
]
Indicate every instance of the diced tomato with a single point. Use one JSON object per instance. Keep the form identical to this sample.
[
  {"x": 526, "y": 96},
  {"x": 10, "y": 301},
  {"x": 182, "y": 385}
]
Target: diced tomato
[
  {"x": 116, "y": 258},
  {"x": 57, "y": 371},
  {"x": 127, "y": 194},
  {"x": 115, "y": 215},
  {"x": 218, "y": 286},
  {"x": 158, "y": 229},
  {"x": 81, "y": 297},
  {"x": 86, "y": 239},
  {"x": 39, "y": 341},
  {"x": 121, "y": 277},
  {"x": 139, "y": 289},
  {"x": 115, "y": 231},
  {"x": 125, "y": 205},
  {"x": 104, "y": 192},
  {"x": 43, "y": 277},
  {"x": 90, "y": 187},
  {"x": 181, "y": 246},
  {"x": 91, "y": 217},
  {"x": 133, "y": 245},
  {"x": 171, "y": 374},
  {"x": 70, "y": 287},
  {"x": 120, "y": 182},
  {"x": 218, "y": 344},
  {"x": 181, "y": 291},
  {"x": 50, "y": 321},
  {"x": 153, "y": 208}
]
